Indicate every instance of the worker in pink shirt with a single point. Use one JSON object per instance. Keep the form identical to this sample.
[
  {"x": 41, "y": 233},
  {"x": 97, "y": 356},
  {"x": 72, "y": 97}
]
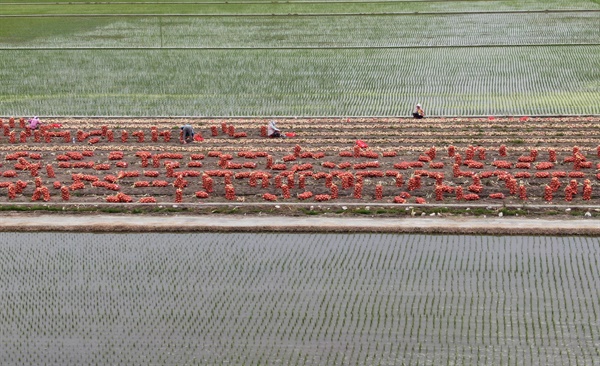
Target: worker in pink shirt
[{"x": 34, "y": 123}]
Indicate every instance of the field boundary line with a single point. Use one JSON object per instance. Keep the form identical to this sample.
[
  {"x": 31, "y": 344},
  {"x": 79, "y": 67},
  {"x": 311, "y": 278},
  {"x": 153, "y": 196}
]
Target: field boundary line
[
  {"x": 283, "y": 205},
  {"x": 316, "y": 117},
  {"x": 247, "y": 2},
  {"x": 293, "y": 47},
  {"x": 239, "y": 15}
]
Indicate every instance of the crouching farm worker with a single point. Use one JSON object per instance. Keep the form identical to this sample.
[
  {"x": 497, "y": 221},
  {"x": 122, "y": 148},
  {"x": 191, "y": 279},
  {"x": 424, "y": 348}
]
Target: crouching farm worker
[
  {"x": 34, "y": 123},
  {"x": 419, "y": 112},
  {"x": 188, "y": 134},
  {"x": 272, "y": 130}
]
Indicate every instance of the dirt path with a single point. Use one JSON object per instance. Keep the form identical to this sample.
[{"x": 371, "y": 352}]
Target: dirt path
[{"x": 208, "y": 223}]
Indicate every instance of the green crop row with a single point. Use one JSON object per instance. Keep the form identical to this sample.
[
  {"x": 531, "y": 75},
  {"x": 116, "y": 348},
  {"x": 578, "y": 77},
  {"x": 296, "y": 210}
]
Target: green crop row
[
  {"x": 462, "y": 81},
  {"x": 12, "y": 7},
  {"x": 293, "y": 31},
  {"x": 227, "y": 8}
]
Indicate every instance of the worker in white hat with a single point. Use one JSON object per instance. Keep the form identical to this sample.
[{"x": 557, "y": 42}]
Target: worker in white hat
[{"x": 419, "y": 112}]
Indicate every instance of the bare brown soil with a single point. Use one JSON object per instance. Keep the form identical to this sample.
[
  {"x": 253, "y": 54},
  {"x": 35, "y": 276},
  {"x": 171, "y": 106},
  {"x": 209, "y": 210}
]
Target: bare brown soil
[{"x": 404, "y": 158}]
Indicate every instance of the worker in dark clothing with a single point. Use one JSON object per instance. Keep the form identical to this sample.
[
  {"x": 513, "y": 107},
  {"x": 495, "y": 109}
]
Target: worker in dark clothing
[{"x": 188, "y": 134}]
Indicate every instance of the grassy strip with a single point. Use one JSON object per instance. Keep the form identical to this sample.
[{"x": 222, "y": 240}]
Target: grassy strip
[{"x": 299, "y": 210}]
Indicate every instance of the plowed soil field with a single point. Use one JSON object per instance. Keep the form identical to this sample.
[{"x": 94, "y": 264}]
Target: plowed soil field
[{"x": 400, "y": 162}]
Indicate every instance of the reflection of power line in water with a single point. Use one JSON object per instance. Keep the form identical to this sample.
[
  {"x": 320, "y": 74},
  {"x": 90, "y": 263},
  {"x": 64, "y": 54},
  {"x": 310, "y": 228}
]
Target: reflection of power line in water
[
  {"x": 262, "y": 15},
  {"x": 294, "y": 48},
  {"x": 253, "y": 2}
]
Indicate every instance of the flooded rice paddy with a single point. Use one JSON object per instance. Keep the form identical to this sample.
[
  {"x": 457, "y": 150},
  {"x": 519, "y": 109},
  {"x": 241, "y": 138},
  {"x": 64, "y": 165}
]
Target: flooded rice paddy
[{"x": 298, "y": 299}]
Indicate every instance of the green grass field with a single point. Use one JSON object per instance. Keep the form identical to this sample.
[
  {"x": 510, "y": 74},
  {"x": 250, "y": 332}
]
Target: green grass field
[{"x": 298, "y": 58}]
